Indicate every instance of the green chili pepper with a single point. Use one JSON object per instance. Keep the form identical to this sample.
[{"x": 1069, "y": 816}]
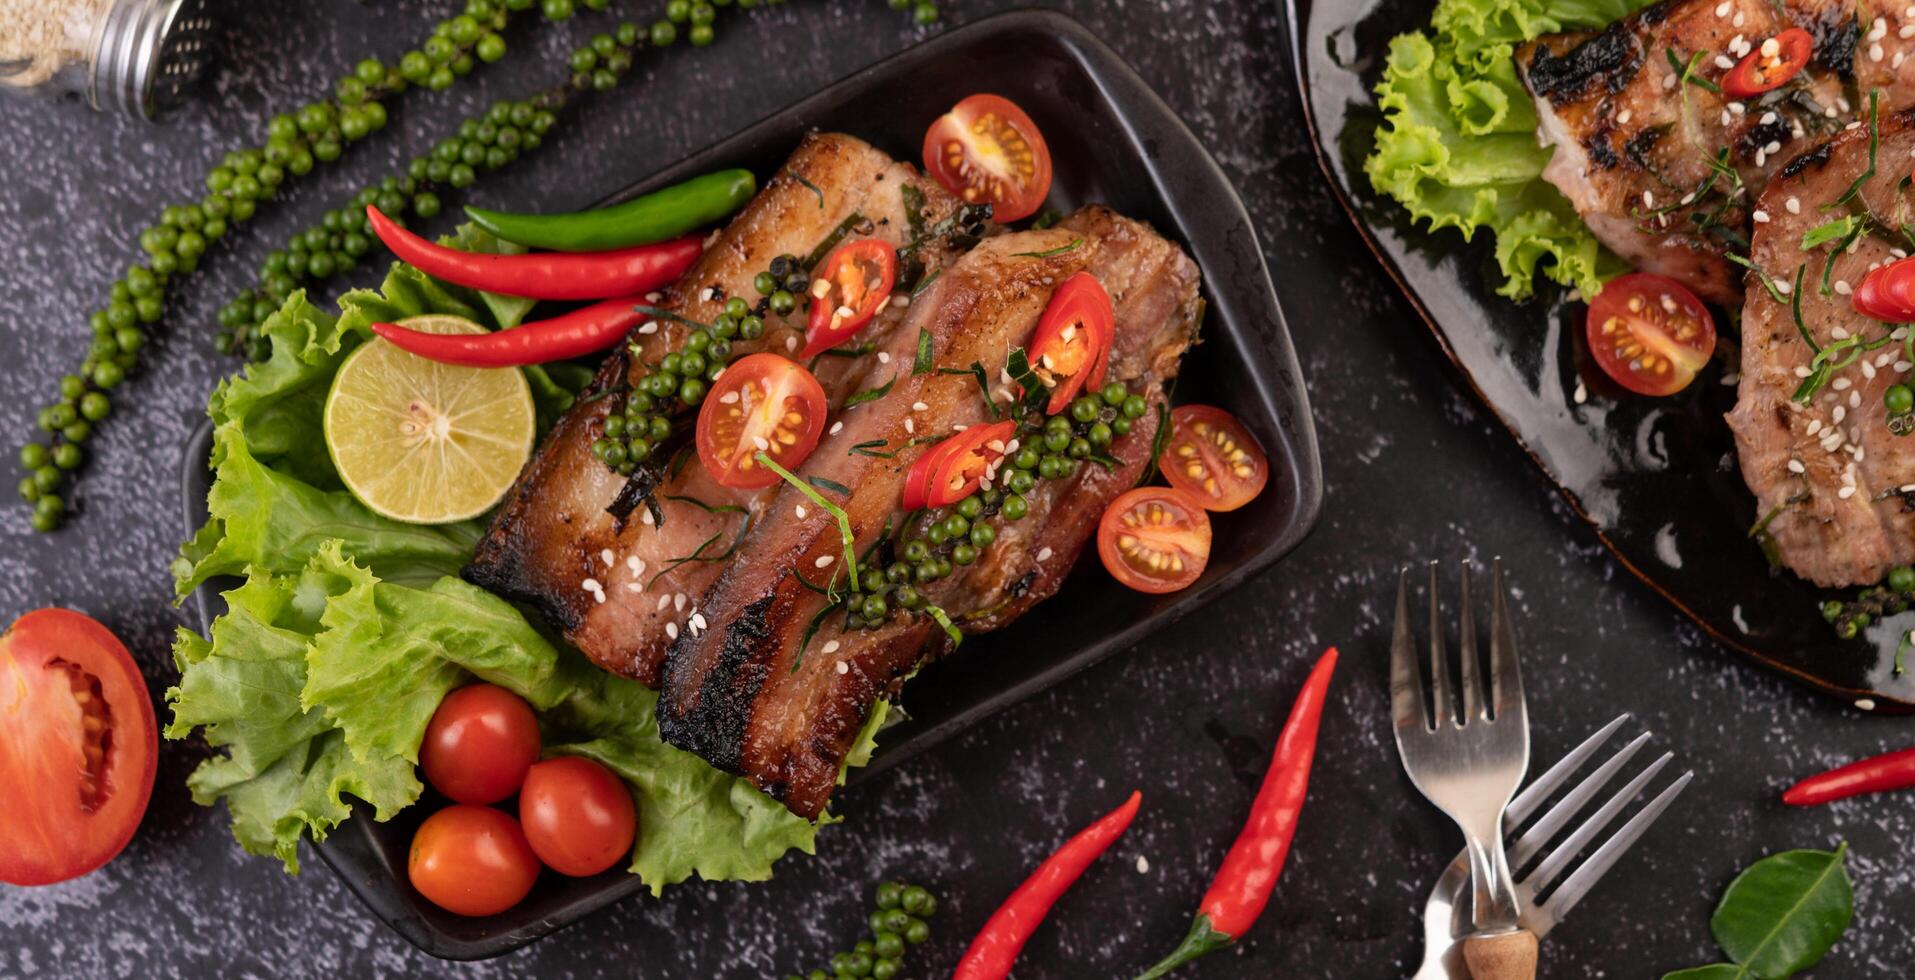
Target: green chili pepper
[{"x": 654, "y": 217}]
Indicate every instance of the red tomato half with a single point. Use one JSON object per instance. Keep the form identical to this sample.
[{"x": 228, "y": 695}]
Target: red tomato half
[
  {"x": 854, "y": 286},
  {"x": 78, "y": 747},
  {"x": 763, "y": 403},
  {"x": 1072, "y": 345},
  {"x": 1773, "y": 62},
  {"x": 1887, "y": 293},
  {"x": 1155, "y": 539},
  {"x": 953, "y": 469},
  {"x": 1649, "y": 334},
  {"x": 1213, "y": 458},
  {"x": 479, "y": 744},
  {"x": 472, "y": 860},
  {"x": 987, "y": 149},
  {"x": 578, "y": 815}
]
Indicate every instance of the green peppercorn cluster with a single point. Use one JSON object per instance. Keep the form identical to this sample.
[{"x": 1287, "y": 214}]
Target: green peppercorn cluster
[
  {"x": 947, "y": 538},
  {"x": 676, "y": 383},
  {"x": 1895, "y": 595},
  {"x": 296, "y": 144},
  {"x": 342, "y": 237},
  {"x": 899, "y": 921}
]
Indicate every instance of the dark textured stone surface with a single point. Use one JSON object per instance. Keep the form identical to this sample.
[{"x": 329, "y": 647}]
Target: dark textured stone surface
[{"x": 1415, "y": 469}]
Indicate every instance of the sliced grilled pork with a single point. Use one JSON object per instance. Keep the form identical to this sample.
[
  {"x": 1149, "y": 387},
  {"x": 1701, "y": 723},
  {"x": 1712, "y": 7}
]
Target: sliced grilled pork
[
  {"x": 751, "y": 692},
  {"x": 617, "y": 589},
  {"x": 1828, "y": 474},
  {"x": 1637, "y": 149}
]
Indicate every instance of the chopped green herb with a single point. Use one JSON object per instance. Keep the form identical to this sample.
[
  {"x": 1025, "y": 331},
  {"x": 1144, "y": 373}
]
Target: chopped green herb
[
  {"x": 871, "y": 394},
  {"x": 976, "y": 370},
  {"x": 1047, "y": 253},
  {"x": 813, "y": 188},
  {"x": 1035, "y": 392},
  {"x": 1841, "y": 229},
  {"x": 871, "y": 449},
  {"x": 1687, "y": 72},
  {"x": 844, "y": 522},
  {"x": 831, "y": 241},
  {"x": 852, "y": 350},
  {"x": 1767, "y": 283},
  {"x": 913, "y": 208},
  {"x": 925, "y": 283},
  {"x": 708, "y": 508},
  {"x": 831, "y": 485},
  {"x": 1157, "y": 441},
  {"x": 923, "y": 364},
  {"x": 944, "y": 620},
  {"x": 660, "y": 313},
  {"x": 1047, "y": 219},
  {"x": 811, "y": 629}
]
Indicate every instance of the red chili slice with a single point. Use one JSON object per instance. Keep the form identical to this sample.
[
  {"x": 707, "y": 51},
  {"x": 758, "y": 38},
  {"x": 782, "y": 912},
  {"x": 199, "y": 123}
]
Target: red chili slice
[
  {"x": 1773, "y": 62},
  {"x": 1072, "y": 344},
  {"x": 854, "y": 286},
  {"x": 1887, "y": 293},
  {"x": 953, "y": 469}
]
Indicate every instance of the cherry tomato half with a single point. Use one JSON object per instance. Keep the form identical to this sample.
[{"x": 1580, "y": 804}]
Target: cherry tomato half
[
  {"x": 472, "y": 860},
  {"x": 1213, "y": 458},
  {"x": 1072, "y": 345},
  {"x": 578, "y": 815},
  {"x": 854, "y": 286},
  {"x": 1155, "y": 539},
  {"x": 1649, "y": 334},
  {"x": 961, "y": 462},
  {"x": 479, "y": 744},
  {"x": 987, "y": 149},
  {"x": 79, "y": 747},
  {"x": 1887, "y": 293},
  {"x": 1773, "y": 62},
  {"x": 762, "y": 403}
]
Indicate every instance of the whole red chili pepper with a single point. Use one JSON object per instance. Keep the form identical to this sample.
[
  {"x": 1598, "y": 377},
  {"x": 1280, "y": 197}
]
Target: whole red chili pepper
[
  {"x": 1251, "y": 868},
  {"x": 1003, "y": 937},
  {"x": 543, "y": 275},
  {"x": 1895, "y": 770},
  {"x": 575, "y": 334}
]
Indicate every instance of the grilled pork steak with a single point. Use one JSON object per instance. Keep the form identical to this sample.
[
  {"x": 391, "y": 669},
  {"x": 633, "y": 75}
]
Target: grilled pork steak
[
  {"x": 754, "y": 691},
  {"x": 1828, "y": 475},
  {"x": 552, "y": 538},
  {"x": 1663, "y": 170}
]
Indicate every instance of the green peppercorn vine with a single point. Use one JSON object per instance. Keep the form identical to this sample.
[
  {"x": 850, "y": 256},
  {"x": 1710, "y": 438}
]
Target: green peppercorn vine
[
  {"x": 900, "y": 920},
  {"x": 296, "y": 144}
]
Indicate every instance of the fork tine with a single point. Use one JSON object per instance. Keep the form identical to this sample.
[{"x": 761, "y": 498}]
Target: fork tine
[
  {"x": 1469, "y": 652},
  {"x": 1578, "y": 884},
  {"x": 1506, "y": 678},
  {"x": 1442, "y": 707},
  {"x": 1406, "y": 679},
  {"x": 1536, "y": 792},
  {"x": 1572, "y": 803},
  {"x": 1559, "y": 859}
]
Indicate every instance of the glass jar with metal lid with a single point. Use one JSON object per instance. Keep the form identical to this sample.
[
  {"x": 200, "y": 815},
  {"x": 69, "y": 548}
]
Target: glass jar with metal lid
[{"x": 130, "y": 56}]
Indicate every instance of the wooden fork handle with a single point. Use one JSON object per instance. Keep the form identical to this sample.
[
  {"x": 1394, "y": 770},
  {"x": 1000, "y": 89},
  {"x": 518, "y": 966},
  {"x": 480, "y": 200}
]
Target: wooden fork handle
[{"x": 1501, "y": 956}]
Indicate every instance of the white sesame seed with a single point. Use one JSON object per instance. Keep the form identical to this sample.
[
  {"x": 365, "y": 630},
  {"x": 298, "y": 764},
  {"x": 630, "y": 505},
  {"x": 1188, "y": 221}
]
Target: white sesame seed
[
  {"x": 761, "y": 442},
  {"x": 1868, "y": 370},
  {"x": 1839, "y": 333},
  {"x": 1143, "y": 865},
  {"x": 1841, "y": 384},
  {"x": 654, "y": 296},
  {"x": 590, "y": 585},
  {"x": 1648, "y": 199},
  {"x": 1902, "y": 367},
  {"x": 634, "y": 586},
  {"x": 664, "y": 601},
  {"x": 671, "y": 630},
  {"x": 728, "y": 398},
  {"x": 705, "y": 295},
  {"x": 1855, "y": 399},
  {"x": 1794, "y": 206},
  {"x": 1761, "y": 217},
  {"x": 1801, "y": 372},
  {"x": 842, "y": 667},
  {"x": 1795, "y": 466},
  {"x": 649, "y": 327},
  {"x": 822, "y": 561},
  {"x": 900, "y": 301},
  {"x": 1669, "y": 81},
  {"x": 599, "y": 597},
  {"x": 800, "y": 511},
  {"x": 1044, "y": 554},
  {"x": 884, "y": 357},
  {"x": 1907, "y": 31},
  {"x": 1784, "y": 287},
  {"x": 1866, "y": 704},
  {"x": 608, "y": 557},
  {"x": 1837, "y": 416},
  {"x": 909, "y": 426},
  {"x": 1845, "y": 493},
  {"x": 791, "y": 343},
  {"x": 959, "y": 427},
  {"x": 1775, "y": 146},
  {"x": 919, "y": 407},
  {"x": 1622, "y": 119},
  {"x": 1842, "y": 286},
  {"x": 635, "y": 563},
  {"x": 1815, "y": 425},
  {"x": 645, "y": 517},
  {"x": 1761, "y": 157},
  {"x": 1767, "y": 118},
  {"x": 1723, "y": 62},
  {"x": 837, "y": 427},
  {"x": 678, "y": 602},
  {"x": 831, "y": 647},
  {"x": 1581, "y": 394},
  {"x": 1722, "y": 9},
  {"x": 1737, "y": 22},
  {"x": 698, "y": 620}
]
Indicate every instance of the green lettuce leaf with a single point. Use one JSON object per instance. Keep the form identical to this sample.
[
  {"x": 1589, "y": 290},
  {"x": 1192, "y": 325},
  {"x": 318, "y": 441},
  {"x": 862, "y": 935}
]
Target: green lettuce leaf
[
  {"x": 348, "y": 629},
  {"x": 1457, "y": 146}
]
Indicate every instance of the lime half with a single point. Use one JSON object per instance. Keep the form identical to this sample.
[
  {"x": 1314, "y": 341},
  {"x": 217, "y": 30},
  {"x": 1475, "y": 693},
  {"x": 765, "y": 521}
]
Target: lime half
[{"x": 424, "y": 442}]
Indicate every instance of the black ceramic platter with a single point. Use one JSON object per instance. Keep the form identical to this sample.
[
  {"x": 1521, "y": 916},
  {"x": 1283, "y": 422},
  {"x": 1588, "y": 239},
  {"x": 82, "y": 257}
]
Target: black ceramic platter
[
  {"x": 1656, "y": 477},
  {"x": 1114, "y": 142}
]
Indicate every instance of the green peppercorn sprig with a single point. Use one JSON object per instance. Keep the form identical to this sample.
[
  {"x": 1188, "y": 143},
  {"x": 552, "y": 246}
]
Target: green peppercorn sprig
[
  {"x": 677, "y": 382},
  {"x": 1895, "y": 595},
  {"x": 900, "y": 920},
  {"x": 296, "y": 143},
  {"x": 947, "y": 538}
]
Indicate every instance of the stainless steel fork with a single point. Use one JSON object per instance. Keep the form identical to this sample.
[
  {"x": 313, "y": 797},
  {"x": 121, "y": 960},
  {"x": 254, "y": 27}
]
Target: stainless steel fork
[
  {"x": 1445, "y": 917},
  {"x": 1469, "y": 761}
]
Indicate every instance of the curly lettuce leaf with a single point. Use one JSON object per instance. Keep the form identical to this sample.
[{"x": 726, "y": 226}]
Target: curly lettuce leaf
[
  {"x": 1457, "y": 147},
  {"x": 315, "y": 687}
]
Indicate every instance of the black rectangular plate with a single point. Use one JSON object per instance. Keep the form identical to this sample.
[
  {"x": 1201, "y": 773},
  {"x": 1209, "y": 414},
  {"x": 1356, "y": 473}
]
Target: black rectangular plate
[
  {"x": 1655, "y": 477},
  {"x": 1114, "y": 142}
]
